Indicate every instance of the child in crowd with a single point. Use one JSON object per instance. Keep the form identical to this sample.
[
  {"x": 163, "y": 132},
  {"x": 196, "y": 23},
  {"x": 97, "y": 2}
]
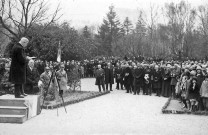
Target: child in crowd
[{"x": 184, "y": 88}]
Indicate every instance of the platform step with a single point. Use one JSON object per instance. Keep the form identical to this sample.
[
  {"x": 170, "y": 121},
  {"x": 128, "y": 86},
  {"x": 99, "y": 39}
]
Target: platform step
[
  {"x": 12, "y": 118},
  {"x": 13, "y": 110},
  {"x": 12, "y": 102},
  {"x": 28, "y": 106}
]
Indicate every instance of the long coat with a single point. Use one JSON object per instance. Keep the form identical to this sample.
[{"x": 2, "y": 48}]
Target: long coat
[
  {"x": 166, "y": 84},
  {"x": 193, "y": 92},
  {"x": 204, "y": 89},
  {"x": 63, "y": 79},
  {"x": 128, "y": 77},
  {"x": 138, "y": 76},
  {"x": 173, "y": 75},
  {"x": 99, "y": 75},
  {"x": 18, "y": 65},
  {"x": 157, "y": 80},
  {"x": 118, "y": 74},
  {"x": 32, "y": 78},
  {"x": 109, "y": 76}
]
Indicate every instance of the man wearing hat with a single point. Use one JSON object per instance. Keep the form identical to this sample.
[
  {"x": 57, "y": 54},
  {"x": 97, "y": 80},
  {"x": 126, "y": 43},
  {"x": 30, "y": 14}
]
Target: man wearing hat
[{"x": 45, "y": 78}]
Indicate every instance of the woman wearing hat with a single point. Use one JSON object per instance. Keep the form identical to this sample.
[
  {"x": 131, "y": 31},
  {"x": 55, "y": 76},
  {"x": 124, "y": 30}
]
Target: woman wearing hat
[
  {"x": 193, "y": 95},
  {"x": 199, "y": 75},
  {"x": 204, "y": 93}
]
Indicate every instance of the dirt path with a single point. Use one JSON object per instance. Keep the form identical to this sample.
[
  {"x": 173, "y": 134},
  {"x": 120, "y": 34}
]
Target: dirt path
[{"x": 114, "y": 113}]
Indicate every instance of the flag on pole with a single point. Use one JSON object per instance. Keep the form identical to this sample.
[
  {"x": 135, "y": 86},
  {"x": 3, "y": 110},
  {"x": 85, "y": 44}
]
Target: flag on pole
[{"x": 59, "y": 53}]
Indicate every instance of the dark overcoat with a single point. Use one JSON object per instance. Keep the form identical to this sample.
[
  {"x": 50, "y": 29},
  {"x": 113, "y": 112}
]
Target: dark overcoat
[
  {"x": 18, "y": 65},
  {"x": 118, "y": 74},
  {"x": 32, "y": 78},
  {"x": 138, "y": 76},
  {"x": 109, "y": 76},
  {"x": 166, "y": 78},
  {"x": 157, "y": 79},
  {"x": 128, "y": 77},
  {"x": 99, "y": 75},
  {"x": 174, "y": 74}
]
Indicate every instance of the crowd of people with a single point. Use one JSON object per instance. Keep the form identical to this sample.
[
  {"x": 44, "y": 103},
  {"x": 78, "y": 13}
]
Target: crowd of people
[{"x": 184, "y": 80}]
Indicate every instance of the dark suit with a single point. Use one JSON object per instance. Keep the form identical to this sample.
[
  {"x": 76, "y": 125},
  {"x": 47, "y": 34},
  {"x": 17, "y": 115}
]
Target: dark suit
[
  {"x": 128, "y": 78},
  {"x": 18, "y": 68},
  {"x": 118, "y": 76},
  {"x": 31, "y": 80},
  {"x": 109, "y": 77},
  {"x": 138, "y": 79},
  {"x": 157, "y": 82},
  {"x": 99, "y": 75}
]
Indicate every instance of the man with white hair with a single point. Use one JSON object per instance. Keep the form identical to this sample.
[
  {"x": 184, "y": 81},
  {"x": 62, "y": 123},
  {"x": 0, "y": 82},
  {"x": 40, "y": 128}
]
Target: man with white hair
[
  {"x": 18, "y": 67},
  {"x": 32, "y": 78},
  {"x": 99, "y": 75}
]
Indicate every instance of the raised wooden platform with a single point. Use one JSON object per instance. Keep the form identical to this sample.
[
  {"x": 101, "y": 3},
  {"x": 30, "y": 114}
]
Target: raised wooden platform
[{"x": 18, "y": 110}]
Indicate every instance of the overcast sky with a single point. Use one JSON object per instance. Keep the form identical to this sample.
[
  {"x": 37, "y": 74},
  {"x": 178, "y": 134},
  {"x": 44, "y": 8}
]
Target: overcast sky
[{"x": 92, "y": 12}]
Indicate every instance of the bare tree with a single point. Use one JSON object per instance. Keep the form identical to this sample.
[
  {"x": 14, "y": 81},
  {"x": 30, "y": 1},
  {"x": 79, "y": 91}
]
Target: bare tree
[
  {"x": 177, "y": 15},
  {"x": 18, "y": 16},
  {"x": 203, "y": 17},
  {"x": 152, "y": 26}
]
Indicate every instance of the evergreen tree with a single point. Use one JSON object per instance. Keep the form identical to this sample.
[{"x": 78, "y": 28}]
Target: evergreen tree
[
  {"x": 110, "y": 30},
  {"x": 86, "y": 33},
  {"x": 127, "y": 26},
  {"x": 140, "y": 25}
]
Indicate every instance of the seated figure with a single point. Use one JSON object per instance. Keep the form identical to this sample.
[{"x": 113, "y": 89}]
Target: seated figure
[{"x": 32, "y": 78}]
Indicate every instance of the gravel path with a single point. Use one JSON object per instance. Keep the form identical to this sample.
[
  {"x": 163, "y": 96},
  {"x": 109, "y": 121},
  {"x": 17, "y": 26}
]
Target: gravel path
[{"x": 114, "y": 113}]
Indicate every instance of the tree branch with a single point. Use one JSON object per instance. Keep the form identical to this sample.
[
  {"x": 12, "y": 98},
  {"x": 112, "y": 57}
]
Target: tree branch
[{"x": 6, "y": 27}]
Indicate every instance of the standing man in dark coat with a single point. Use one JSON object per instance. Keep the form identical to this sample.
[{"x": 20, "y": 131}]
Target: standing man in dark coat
[
  {"x": 109, "y": 76},
  {"x": 18, "y": 67},
  {"x": 157, "y": 80},
  {"x": 118, "y": 76},
  {"x": 138, "y": 79},
  {"x": 147, "y": 81},
  {"x": 128, "y": 78},
  {"x": 99, "y": 75}
]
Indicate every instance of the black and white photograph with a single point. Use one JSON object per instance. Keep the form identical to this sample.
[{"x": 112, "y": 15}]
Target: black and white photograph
[{"x": 103, "y": 67}]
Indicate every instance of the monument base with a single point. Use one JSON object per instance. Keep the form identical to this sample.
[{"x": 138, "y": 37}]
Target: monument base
[{"x": 18, "y": 110}]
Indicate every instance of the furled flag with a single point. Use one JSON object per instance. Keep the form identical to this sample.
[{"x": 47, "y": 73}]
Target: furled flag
[{"x": 59, "y": 53}]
